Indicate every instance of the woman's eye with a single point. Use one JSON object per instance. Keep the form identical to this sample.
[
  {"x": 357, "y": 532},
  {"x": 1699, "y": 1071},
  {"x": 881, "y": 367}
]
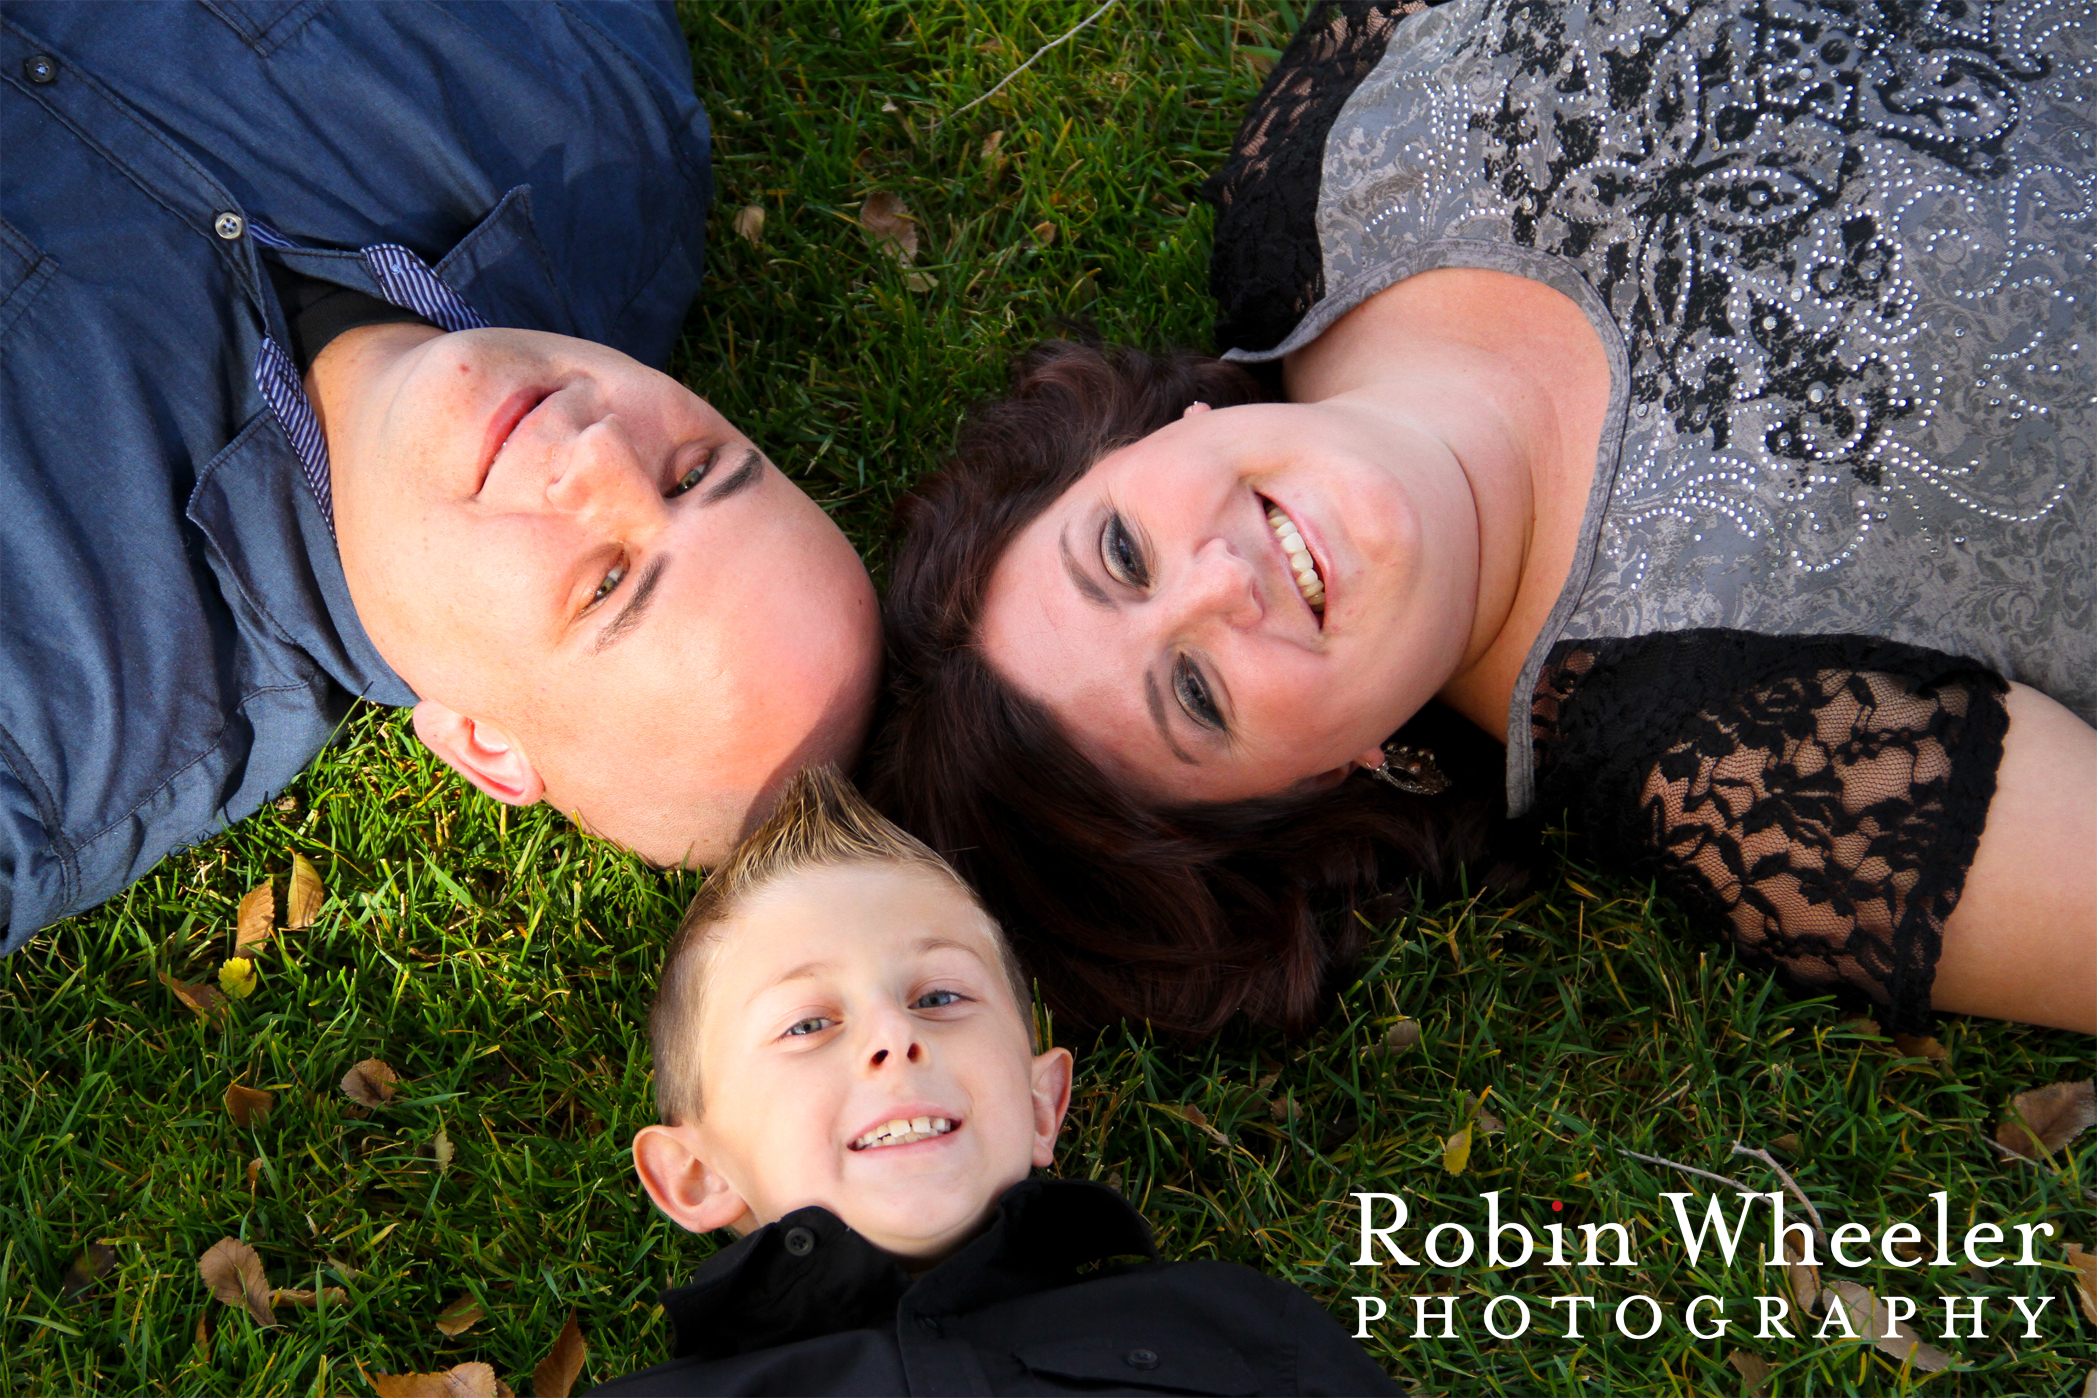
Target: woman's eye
[
  {"x": 1193, "y": 693},
  {"x": 812, "y": 1025},
  {"x": 691, "y": 478},
  {"x": 934, "y": 999},
  {"x": 610, "y": 584},
  {"x": 1120, "y": 555}
]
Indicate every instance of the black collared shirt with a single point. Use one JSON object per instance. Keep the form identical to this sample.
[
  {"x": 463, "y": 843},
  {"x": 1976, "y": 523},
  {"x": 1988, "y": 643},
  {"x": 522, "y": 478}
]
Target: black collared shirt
[{"x": 1063, "y": 1293}]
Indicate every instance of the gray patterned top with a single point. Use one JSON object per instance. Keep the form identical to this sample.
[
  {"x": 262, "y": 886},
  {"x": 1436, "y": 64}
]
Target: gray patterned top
[{"x": 1841, "y": 258}]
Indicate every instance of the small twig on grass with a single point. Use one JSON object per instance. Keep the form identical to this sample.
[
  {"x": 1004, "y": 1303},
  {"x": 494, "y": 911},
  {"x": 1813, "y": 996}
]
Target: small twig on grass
[
  {"x": 1024, "y": 66},
  {"x": 1758, "y": 1153},
  {"x": 1686, "y": 1169}
]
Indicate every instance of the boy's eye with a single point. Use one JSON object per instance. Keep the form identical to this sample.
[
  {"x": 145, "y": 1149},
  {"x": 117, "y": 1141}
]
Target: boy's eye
[
  {"x": 613, "y": 578},
  {"x": 691, "y": 478},
  {"x": 812, "y": 1025},
  {"x": 1193, "y": 693},
  {"x": 934, "y": 999},
  {"x": 1120, "y": 556}
]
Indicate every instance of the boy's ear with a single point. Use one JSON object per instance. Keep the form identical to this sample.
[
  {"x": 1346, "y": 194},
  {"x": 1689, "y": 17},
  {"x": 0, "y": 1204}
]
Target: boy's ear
[
  {"x": 694, "y": 1196},
  {"x": 480, "y": 752},
  {"x": 1052, "y": 1098}
]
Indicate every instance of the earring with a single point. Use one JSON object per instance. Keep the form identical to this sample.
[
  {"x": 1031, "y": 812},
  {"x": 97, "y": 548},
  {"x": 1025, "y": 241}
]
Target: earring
[{"x": 1411, "y": 770}]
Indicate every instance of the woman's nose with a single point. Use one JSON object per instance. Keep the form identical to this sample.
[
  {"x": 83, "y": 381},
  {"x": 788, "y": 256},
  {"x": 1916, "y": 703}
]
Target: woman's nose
[{"x": 1221, "y": 583}]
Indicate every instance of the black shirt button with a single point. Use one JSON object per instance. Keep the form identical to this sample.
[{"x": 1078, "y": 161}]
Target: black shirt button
[
  {"x": 40, "y": 68},
  {"x": 928, "y": 1325},
  {"x": 1141, "y": 1359},
  {"x": 800, "y": 1242}
]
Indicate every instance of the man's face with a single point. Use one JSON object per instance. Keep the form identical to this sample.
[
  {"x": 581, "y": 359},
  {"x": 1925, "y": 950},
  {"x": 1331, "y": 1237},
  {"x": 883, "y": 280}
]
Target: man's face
[
  {"x": 556, "y": 540},
  {"x": 860, "y": 1048}
]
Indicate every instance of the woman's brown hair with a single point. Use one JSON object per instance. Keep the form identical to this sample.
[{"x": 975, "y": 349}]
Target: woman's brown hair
[{"x": 1181, "y": 916}]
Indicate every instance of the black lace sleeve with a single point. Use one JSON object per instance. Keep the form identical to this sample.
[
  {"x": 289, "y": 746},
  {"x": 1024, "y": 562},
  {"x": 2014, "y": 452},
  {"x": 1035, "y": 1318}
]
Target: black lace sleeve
[
  {"x": 1818, "y": 798},
  {"x": 1265, "y": 270}
]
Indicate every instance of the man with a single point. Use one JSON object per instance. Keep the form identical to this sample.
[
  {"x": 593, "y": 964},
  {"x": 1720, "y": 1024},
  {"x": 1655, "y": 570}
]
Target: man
[{"x": 325, "y": 334}]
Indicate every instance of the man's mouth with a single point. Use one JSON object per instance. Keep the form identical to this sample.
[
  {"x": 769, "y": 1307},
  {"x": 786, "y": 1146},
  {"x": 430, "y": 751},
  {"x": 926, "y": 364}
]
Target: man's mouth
[
  {"x": 1309, "y": 584},
  {"x": 904, "y": 1131},
  {"x": 514, "y": 410}
]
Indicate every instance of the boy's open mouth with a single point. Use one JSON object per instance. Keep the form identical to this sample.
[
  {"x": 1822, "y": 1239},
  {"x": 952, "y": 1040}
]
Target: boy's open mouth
[
  {"x": 903, "y": 1132},
  {"x": 1309, "y": 584}
]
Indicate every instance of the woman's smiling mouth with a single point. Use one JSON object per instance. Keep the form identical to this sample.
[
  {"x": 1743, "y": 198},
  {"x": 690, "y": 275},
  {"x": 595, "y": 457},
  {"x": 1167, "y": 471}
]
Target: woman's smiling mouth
[{"x": 1310, "y": 585}]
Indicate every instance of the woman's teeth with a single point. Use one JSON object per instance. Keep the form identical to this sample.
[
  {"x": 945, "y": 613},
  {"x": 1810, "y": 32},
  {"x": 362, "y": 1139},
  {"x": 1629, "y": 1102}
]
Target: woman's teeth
[
  {"x": 1308, "y": 580},
  {"x": 901, "y": 1132}
]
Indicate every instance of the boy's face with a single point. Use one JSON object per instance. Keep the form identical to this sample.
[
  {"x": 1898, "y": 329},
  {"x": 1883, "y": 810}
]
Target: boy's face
[{"x": 860, "y": 1049}]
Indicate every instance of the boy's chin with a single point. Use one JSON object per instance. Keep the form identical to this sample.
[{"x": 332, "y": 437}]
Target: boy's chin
[{"x": 924, "y": 1237}]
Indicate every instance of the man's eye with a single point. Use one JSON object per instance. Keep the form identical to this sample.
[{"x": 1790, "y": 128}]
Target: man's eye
[
  {"x": 1193, "y": 693},
  {"x": 611, "y": 583},
  {"x": 1120, "y": 556},
  {"x": 691, "y": 478},
  {"x": 812, "y": 1025},
  {"x": 934, "y": 999}
]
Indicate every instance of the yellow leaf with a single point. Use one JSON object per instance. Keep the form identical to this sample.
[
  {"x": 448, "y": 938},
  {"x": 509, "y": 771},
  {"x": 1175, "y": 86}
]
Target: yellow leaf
[
  {"x": 237, "y": 977},
  {"x": 302, "y": 901},
  {"x": 257, "y": 918},
  {"x": 1457, "y": 1151},
  {"x": 441, "y": 1149}
]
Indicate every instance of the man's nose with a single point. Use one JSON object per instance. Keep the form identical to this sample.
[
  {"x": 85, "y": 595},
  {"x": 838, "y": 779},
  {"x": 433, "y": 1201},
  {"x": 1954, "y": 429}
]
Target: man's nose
[
  {"x": 1222, "y": 583},
  {"x": 600, "y": 474}
]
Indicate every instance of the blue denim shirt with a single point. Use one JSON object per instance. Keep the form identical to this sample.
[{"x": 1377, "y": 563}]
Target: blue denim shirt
[{"x": 176, "y": 637}]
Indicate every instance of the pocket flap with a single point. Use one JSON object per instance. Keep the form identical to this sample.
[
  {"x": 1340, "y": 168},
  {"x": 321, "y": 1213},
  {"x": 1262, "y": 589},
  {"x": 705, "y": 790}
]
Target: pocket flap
[{"x": 1172, "y": 1366}]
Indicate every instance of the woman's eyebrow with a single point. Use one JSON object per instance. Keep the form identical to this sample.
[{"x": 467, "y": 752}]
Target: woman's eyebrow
[
  {"x": 1080, "y": 579},
  {"x": 1156, "y": 703}
]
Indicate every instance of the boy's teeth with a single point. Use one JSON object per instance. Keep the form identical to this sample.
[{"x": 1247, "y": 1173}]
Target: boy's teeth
[
  {"x": 1309, "y": 582},
  {"x": 902, "y": 1132}
]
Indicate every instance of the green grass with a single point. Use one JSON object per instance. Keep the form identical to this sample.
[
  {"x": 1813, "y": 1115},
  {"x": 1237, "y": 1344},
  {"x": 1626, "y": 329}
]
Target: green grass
[{"x": 502, "y": 962}]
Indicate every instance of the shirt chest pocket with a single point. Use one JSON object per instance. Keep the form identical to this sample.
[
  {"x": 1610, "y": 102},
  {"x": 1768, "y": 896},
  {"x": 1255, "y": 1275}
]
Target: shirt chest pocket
[
  {"x": 24, "y": 270},
  {"x": 264, "y": 24},
  {"x": 1140, "y": 1365}
]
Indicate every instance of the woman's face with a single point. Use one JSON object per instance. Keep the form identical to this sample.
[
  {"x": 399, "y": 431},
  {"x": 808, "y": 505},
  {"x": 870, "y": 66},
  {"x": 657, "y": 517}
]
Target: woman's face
[{"x": 1159, "y": 607}]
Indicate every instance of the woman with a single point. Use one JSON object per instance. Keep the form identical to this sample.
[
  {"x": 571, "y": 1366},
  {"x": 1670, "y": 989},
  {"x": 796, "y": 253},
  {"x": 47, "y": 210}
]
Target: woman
[{"x": 1697, "y": 401}]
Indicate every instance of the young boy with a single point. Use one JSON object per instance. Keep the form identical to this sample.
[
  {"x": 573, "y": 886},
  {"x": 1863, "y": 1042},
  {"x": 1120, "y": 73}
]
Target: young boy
[{"x": 847, "y": 1077}]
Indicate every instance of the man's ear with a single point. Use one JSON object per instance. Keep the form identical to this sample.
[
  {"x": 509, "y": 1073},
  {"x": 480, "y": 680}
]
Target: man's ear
[
  {"x": 695, "y": 1197},
  {"x": 480, "y": 752},
  {"x": 1051, "y": 1075}
]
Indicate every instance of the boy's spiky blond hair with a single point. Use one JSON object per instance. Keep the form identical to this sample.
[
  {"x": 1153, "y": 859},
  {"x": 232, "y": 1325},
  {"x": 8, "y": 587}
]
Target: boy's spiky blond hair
[{"x": 822, "y": 822}]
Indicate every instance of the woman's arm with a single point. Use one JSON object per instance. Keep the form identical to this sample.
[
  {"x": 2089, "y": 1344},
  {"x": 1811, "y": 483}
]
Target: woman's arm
[{"x": 2023, "y": 942}]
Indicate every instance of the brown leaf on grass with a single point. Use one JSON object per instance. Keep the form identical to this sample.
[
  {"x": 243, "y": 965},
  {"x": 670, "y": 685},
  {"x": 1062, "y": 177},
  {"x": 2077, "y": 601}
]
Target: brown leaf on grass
[
  {"x": 257, "y": 919},
  {"x": 303, "y": 899},
  {"x": 1868, "y": 1317},
  {"x": 1403, "y": 1035},
  {"x": 1283, "y": 1108},
  {"x": 1909, "y": 1046},
  {"x": 234, "y": 1273},
  {"x": 370, "y": 1082},
  {"x": 254, "y": 1172},
  {"x": 1755, "y": 1374},
  {"x": 248, "y": 1106},
  {"x": 441, "y": 1149},
  {"x": 991, "y": 144},
  {"x": 555, "y": 1375},
  {"x": 1489, "y": 1124},
  {"x": 204, "y": 1334},
  {"x": 894, "y": 230},
  {"x": 81, "y": 1273},
  {"x": 306, "y": 1300},
  {"x": 2090, "y": 1385},
  {"x": 1788, "y": 1144},
  {"x": 750, "y": 224},
  {"x": 1192, "y": 1114},
  {"x": 1457, "y": 1150},
  {"x": 2045, "y": 1119},
  {"x": 2086, "y": 1265},
  {"x": 474, "y": 1380},
  {"x": 1044, "y": 233},
  {"x": 1804, "y": 1277},
  {"x": 461, "y": 1316},
  {"x": 920, "y": 282},
  {"x": 206, "y": 1000}
]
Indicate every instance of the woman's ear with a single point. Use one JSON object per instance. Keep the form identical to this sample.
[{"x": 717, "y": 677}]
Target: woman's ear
[
  {"x": 697, "y": 1198},
  {"x": 1051, "y": 1082},
  {"x": 480, "y": 752},
  {"x": 1194, "y": 408}
]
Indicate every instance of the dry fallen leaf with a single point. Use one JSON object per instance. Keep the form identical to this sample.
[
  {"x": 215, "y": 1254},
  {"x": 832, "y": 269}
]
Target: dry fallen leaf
[
  {"x": 1804, "y": 1277},
  {"x": 2090, "y": 1385},
  {"x": 370, "y": 1082},
  {"x": 298, "y": 1296},
  {"x": 1755, "y": 1374},
  {"x": 254, "y": 1173},
  {"x": 2086, "y": 1264},
  {"x": 2045, "y": 1119},
  {"x": 1909, "y": 1046},
  {"x": 234, "y": 1273},
  {"x": 1868, "y": 1317},
  {"x": 1489, "y": 1124},
  {"x": 1403, "y": 1035},
  {"x": 1283, "y": 1108},
  {"x": 461, "y": 1316},
  {"x": 441, "y": 1149},
  {"x": 920, "y": 282},
  {"x": 1787, "y": 1143},
  {"x": 81, "y": 1272},
  {"x": 555, "y": 1375},
  {"x": 1457, "y": 1150},
  {"x": 1194, "y": 1117},
  {"x": 257, "y": 918},
  {"x": 1044, "y": 233},
  {"x": 475, "y": 1380},
  {"x": 248, "y": 1106},
  {"x": 204, "y": 1334},
  {"x": 206, "y": 1000},
  {"x": 991, "y": 144},
  {"x": 302, "y": 901},
  {"x": 894, "y": 230},
  {"x": 750, "y": 224},
  {"x": 237, "y": 977}
]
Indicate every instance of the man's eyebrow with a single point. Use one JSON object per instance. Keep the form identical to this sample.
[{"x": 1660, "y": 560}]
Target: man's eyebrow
[
  {"x": 636, "y": 608},
  {"x": 753, "y": 465},
  {"x": 1087, "y": 588},
  {"x": 1155, "y": 702}
]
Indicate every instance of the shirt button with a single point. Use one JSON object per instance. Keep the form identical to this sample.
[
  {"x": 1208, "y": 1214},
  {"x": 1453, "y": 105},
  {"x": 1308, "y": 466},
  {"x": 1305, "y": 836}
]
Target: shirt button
[
  {"x": 40, "y": 68},
  {"x": 800, "y": 1242},
  {"x": 1141, "y": 1359},
  {"x": 229, "y": 226},
  {"x": 929, "y": 1325}
]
